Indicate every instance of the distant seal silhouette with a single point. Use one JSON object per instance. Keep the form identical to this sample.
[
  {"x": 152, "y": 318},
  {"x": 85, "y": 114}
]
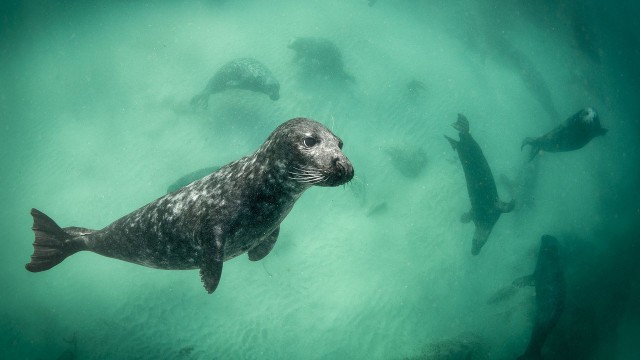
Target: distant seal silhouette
[
  {"x": 319, "y": 56},
  {"x": 236, "y": 209},
  {"x": 486, "y": 207},
  {"x": 550, "y": 286},
  {"x": 409, "y": 162},
  {"x": 243, "y": 73},
  {"x": 572, "y": 134}
]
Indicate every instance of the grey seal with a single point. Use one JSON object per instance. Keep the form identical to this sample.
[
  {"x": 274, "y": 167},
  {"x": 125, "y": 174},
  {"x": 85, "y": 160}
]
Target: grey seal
[
  {"x": 548, "y": 279},
  {"x": 242, "y": 73},
  {"x": 319, "y": 56},
  {"x": 234, "y": 210},
  {"x": 191, "y": 177},
  {"x": 486, "y": 207},
  {"x": 574, "y": 133}
]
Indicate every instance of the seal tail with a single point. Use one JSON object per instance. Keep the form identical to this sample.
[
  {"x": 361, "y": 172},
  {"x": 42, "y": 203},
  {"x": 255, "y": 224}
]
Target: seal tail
[
  {"x": 52, "y": 244},
  {"x": 535, "y": 147},
  {"x": 454, "y": 143},
  {"x": 462, "y": 124}
]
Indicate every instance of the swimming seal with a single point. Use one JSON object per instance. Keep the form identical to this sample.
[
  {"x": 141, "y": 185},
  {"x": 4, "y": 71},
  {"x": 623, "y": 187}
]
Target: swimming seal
[
  {"x": 243, "y": 73},
  {"x": 319, "y": 56},
  {"x": 548, "y": 280},
  {"x": 486, "y": 207},
  {"x": 234, "y": 210},
  {"x": 572, "y": 134}
]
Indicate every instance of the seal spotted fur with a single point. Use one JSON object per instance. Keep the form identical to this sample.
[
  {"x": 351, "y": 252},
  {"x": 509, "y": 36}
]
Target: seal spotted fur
[
  {"x": 234, "y": 210},
  {"x": 243, "y": 73}
]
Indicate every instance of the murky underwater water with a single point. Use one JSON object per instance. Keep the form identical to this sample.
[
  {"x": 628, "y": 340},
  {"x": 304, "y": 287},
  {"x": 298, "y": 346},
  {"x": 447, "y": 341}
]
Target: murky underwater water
[{"x": 96, "y": 119}]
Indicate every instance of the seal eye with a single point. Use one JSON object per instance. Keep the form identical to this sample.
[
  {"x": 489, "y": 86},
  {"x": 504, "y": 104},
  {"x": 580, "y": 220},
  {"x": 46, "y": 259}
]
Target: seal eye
[
  {"x": 340, "y": 144},
  {"x": 309, "y": 141}
]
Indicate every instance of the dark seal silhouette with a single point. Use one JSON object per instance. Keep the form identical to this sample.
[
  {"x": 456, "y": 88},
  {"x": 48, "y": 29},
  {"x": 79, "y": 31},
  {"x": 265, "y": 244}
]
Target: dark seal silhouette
[
  {"x": 243, "y": 73},
  {"x": 572, "y": 134},
  {"x": 486, "y": 207},
  {"x": 548, "y": 280},
  {"x": 319, "y": 56},
  {"x": 234, "y": 210}
]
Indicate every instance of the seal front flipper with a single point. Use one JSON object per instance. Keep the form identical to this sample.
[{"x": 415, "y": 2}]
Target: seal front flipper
[
  {"x": 52, "y": 244},
  {"x": 211, "y": 262},
  {"x": 535, "y": 146},
  {"x": 503, "y": 294},
  {"x": 505, "y": 207},
  {"x": 201, "y": 100},
  {"x": 528, "y": 280},
  {"x": 263, "y": 249}
]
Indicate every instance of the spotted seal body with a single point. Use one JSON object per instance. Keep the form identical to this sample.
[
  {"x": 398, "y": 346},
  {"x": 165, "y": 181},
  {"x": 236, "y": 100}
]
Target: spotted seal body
[
  {"x": 486, "y": 207},
  {"x": 243, "y": 73},
  {"x": 572, "y": 134},
  {"x": 191, "y": 177},
  {"x": 234, "y": 210},
  {"x": 319, "y": 56},
  {"x": 548, "y": 280}
]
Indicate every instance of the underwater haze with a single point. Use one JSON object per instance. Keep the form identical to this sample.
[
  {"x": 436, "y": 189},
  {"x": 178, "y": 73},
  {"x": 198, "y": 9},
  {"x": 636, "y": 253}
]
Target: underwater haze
[{"x": 97, "y": 121}]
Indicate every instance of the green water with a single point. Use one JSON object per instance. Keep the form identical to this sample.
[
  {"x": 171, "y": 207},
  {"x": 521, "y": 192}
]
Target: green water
[{"x": 96, "y": 122}]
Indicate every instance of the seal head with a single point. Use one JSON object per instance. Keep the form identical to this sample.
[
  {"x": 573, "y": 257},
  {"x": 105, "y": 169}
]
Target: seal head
[{"x": 315, "y": 153}]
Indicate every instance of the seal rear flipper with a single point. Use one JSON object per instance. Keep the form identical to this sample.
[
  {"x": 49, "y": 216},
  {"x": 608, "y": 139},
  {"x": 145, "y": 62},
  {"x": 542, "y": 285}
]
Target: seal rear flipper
[
  {"x": 462, "y": 124},
  {"x": 264, "y": 248},
  {"x": 480, "y": 237},
  {"x": 454, "y": 143},
  {"x": 52, "y": 244},
  {"x": 76, "y": 231},
  {"x": 211, "y": 262}
]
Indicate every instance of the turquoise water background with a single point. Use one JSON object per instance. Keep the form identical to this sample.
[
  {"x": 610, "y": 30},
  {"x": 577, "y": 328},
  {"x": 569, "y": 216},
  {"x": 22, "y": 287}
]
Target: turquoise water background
[{"x": 96, "y": 122}]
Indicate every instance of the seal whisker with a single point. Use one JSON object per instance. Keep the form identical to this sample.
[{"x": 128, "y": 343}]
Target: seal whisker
[
  {"x": 309, "y": 179},
  {"x": 307, "y": 170}
]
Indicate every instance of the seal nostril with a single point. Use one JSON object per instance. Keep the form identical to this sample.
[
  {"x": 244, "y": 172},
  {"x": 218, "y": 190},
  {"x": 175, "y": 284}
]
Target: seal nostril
[{"x": 339, "y": 165}]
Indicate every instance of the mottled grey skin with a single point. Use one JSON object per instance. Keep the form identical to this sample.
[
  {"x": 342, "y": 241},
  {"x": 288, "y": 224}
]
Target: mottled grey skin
[
  {"x": 572, "y": 134},
  {"x": 319, "y": 56},
  {"x": 191, "y": 177},
  {"x": 548, "y": 279},
  {"x": 486, "y": 207},
  {"x": 243, "y": 73},
  {"x": 234, "y": 210}
]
